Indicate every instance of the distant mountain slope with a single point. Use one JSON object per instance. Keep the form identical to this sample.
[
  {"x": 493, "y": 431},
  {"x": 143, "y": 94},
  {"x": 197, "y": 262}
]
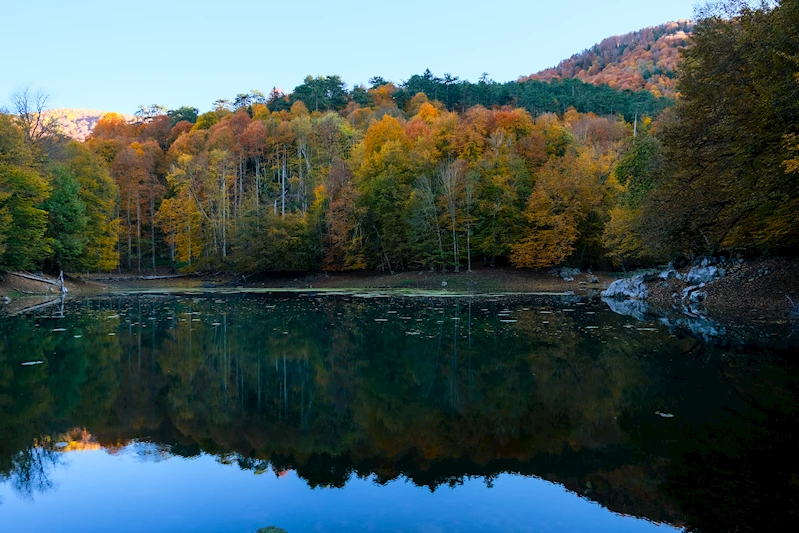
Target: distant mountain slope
[
  {"x": 78, "y": 123},
  {"x": 645, "y": 59}
]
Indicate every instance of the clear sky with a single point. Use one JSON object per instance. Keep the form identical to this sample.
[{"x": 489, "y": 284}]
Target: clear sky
[{"x": 114, "y": 56}]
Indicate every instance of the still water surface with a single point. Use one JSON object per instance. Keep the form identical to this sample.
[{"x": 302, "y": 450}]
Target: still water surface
[{"x": 227, "y": 413}]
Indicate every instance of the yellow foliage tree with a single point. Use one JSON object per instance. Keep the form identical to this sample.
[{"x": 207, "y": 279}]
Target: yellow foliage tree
[{"x": 566, "y": 191}]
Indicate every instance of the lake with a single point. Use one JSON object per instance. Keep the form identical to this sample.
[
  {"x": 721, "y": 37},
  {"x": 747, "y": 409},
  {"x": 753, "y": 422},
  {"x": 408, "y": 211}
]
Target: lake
[{"x": 230, "y": 412}]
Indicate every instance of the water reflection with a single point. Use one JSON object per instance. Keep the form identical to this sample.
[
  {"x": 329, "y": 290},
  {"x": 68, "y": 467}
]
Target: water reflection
[{"x": 644, "y": 420}]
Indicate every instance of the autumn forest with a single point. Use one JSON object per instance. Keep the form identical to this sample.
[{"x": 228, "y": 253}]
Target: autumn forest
[{"x": 608, "y": 164}]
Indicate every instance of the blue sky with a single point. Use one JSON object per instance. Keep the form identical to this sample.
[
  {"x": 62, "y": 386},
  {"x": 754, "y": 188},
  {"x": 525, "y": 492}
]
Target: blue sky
[{"x": 116, "y": 55}]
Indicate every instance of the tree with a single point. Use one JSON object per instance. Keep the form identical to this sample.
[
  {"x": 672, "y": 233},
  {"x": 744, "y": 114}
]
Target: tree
[
  {"x": 23, "y": 242},
  {"x": 729, "y": 189},
  {"x": 639, "y": 170},
  {"x": 100, "y": 196},
  {"x": 187, "y": 113},
  {"x": 566, "y": 192},
  {"x": 183, "y": 216},
  {"x": 67, "y": 219},
  {"x": 451, "y": 177},
  {"x": 342, "y": 244},
  {"x": 31, "y": 114}
]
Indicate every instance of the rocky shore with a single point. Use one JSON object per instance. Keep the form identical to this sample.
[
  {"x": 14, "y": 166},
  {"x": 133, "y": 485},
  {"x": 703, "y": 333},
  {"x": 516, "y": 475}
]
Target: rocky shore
[{"x": 710, "y": 292}]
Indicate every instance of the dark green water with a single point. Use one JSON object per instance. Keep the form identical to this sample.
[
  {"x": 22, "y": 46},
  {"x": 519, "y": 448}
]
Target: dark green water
[{"x": 389, "y": 414}]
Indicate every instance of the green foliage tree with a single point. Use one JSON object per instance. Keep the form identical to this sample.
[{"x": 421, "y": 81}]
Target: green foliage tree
[
  {"x": 187, "y": 113},
  {"x": 729, "y": 188},
  {"x": 23, "y": 188},
  {"x": 67, "y": 227}
]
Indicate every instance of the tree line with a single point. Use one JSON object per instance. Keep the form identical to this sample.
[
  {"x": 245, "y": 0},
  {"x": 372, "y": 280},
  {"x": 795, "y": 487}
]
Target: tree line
[{"x": 433, "y": 173}]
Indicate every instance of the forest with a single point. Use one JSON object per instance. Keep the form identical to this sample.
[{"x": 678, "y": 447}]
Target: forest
[
  {"x": 431, "y": 173},
  {"x": 645, "y": 59}
]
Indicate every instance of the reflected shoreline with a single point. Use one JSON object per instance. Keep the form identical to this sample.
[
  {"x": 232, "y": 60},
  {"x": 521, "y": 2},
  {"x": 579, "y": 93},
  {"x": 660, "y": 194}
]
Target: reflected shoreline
[{"x": 430, "y": 390}]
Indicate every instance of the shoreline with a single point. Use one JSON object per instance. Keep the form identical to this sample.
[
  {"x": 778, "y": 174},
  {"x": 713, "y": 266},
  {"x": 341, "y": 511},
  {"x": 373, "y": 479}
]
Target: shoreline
[{"x": 749, "y": 293}]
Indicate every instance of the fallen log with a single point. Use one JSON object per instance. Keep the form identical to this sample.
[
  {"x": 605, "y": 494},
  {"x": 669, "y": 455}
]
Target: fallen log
[
  {"x": 33, "y": 277},
  {"x": 35, "y": 307}
]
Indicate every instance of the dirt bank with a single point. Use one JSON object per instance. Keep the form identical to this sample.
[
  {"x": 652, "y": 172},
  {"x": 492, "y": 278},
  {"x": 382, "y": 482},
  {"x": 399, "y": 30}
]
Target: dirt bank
[{"x": 755, "y": 290}]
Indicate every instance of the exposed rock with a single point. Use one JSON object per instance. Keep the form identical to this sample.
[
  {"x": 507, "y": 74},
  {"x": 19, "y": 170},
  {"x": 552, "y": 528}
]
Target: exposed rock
[
  {"x": 697, "y": 296},
  {"x": 700, "y": 326},
  {"x": 630, "y": 288},
  {"x": 634, "y": 308},
  {"x": 593, "y": 279},
  {"x": 443, "y": 283},
  {"x": 565, "y": 273},
  {"x": 669, "y": 273},
  {"x": 686, "y": 291},
  {"x": 704, "y": 274}
]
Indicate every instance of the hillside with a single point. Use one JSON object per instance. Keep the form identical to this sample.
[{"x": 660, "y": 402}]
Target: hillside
[
  {"x": 78, "y": 123},
  {"x": 645, "y": 59}
]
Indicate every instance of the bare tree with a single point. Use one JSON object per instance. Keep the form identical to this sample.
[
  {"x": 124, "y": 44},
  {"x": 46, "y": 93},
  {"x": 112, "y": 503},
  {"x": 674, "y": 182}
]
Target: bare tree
[
  {"x": 451, "y": 179},
  {"x": 31, "y": 113}
]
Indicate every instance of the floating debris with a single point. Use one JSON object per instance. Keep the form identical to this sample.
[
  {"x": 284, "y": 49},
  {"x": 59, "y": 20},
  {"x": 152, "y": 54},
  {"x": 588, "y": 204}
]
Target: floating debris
[
  {"x": 664, "y": 415},
  {"x": 32, "y": 363},
  {"x": 508, "y": 321},
  {"x": 58, "y": 329},
  {"x": 381, "y": 320}
]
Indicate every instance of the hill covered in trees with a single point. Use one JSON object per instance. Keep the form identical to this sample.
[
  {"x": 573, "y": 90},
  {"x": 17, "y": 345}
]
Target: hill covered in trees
[
  {"x": 431, "y": 173},
  {"x": 646, "y": 59}
]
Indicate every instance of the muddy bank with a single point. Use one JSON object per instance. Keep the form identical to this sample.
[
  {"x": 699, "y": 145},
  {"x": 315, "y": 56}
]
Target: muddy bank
[
  {"x": 488, "y": 280},
  {"x": 494, "y": 280}
]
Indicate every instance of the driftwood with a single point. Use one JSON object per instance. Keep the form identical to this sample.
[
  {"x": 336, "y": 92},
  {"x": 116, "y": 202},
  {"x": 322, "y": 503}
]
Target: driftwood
[
  {"x": 36, "y": 278},
  {"x": 41, "y": 279},
  {"x": 172, "y": 276},
  {"x": 35, "y": 307}
]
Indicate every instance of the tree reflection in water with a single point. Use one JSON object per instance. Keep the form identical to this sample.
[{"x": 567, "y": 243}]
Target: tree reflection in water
[{"x": 641, "y": 420}]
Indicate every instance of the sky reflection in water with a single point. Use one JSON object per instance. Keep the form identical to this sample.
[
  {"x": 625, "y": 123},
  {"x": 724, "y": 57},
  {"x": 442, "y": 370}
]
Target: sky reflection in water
[{"x": 102, "y": 492}]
